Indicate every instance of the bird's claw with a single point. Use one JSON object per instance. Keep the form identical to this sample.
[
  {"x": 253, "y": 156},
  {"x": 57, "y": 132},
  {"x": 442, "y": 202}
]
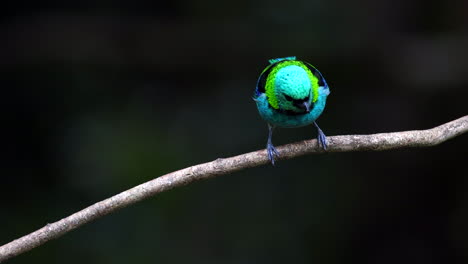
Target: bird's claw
[
  {"x": 321, "y": 138},
  {"x": 272, "y": 153}
]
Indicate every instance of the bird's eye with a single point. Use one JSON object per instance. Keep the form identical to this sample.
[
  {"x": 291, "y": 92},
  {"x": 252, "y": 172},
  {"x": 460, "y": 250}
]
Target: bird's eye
[{"x": 289, "y": 98}]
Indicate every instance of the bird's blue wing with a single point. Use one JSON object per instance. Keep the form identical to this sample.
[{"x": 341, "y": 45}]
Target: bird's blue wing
[
  {"x": 323, "y": 86},
  {"x": 324, "y": 90}
]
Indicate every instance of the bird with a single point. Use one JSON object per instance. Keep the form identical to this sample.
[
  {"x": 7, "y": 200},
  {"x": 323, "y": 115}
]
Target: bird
[{"x": 290, "y": 93}]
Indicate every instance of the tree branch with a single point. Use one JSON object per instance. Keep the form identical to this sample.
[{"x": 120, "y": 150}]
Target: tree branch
[{"x": 375, "y": 142}]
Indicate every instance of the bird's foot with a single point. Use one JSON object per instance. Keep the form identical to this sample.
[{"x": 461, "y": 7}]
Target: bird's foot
[
  {"x": 321, "y": 138},
  {"x": 272, "y": 153}
]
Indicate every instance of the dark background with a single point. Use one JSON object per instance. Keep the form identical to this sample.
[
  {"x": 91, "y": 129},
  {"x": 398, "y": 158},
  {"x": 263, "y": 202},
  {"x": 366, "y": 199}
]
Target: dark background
[{"x": 99, "y": 96}]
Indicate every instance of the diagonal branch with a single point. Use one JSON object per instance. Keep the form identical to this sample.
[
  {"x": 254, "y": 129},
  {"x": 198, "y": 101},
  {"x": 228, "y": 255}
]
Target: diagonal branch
[{"x": 374, "y": 142}]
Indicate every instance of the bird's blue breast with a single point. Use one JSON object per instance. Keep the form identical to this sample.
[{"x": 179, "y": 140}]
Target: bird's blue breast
[{"x": 284, "y": 119}]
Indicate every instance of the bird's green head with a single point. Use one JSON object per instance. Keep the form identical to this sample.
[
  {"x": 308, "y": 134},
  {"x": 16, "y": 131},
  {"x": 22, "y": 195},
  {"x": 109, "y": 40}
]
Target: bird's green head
[{"x": 291, "y": 86}]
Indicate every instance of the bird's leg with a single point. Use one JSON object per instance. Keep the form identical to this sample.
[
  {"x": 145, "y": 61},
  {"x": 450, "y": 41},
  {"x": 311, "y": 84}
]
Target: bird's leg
[
  {"x": 270, "y": 148},
  {"x": 321, "y": 138}
]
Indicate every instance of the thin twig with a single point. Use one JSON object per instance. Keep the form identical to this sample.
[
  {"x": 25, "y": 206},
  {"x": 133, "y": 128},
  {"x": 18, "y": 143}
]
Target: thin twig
[{"x": 375, "y": 142}]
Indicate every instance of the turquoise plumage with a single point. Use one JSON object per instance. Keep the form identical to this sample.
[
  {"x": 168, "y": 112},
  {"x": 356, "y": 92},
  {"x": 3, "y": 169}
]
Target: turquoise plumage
[{"x": 290, "y": 93}]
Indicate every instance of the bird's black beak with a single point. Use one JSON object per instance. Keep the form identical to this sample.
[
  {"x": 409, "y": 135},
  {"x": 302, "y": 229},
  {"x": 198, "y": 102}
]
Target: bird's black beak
[
  {"x": 303, "y": 105},
  {"x": 306, "y": 106}
]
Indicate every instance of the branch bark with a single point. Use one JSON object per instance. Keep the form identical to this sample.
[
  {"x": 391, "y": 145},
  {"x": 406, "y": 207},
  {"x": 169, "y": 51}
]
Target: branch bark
[{"x": 222, "y": 166}]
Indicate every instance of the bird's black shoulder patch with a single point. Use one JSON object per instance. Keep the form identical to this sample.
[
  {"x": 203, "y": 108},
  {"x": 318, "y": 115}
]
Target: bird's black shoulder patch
[{"x": 316, "y": 73}]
